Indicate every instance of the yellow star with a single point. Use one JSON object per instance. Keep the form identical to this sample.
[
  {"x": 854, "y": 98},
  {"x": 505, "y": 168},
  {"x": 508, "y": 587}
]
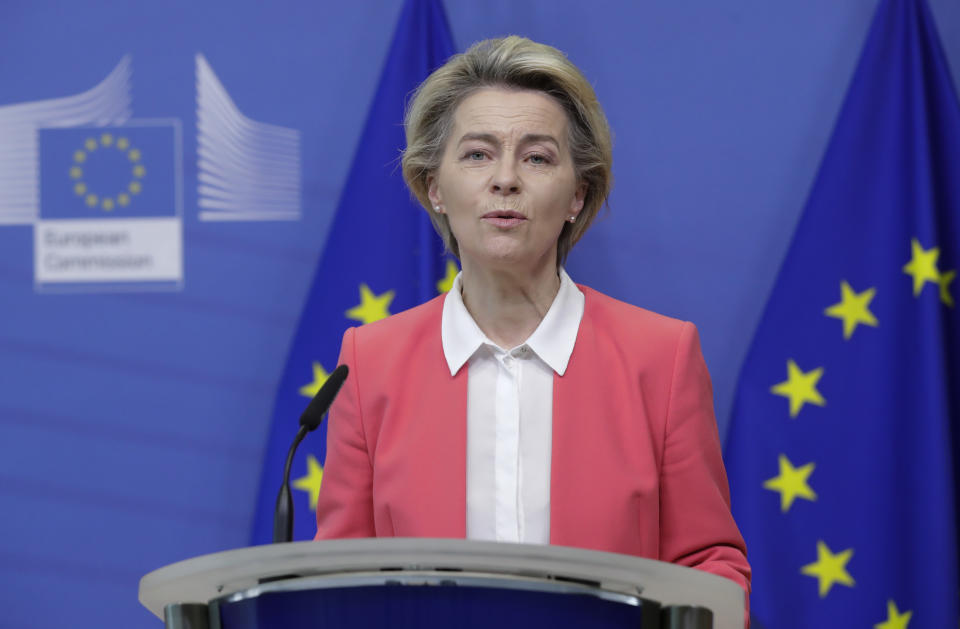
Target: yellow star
[
  {"x": 922, "y": 266},
  {"x": 444, "y": 285},
  {"x": 791, "y": 483},
  {"x": 895, "y": 620},
  {"x": 853, "y": 308},
  {"x": 800, "y": 387},
  {"x": 311, "y": 482},
  {"x": 320, "y": 376},
  {"x": 371, "y": 307},
  {"x": 829, "y": 568},
  {"x": 945, "y": 278}
]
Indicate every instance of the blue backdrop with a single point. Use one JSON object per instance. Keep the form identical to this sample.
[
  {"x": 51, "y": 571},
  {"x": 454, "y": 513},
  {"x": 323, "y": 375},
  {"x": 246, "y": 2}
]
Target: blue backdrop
[{"x": 134, "y": 409}]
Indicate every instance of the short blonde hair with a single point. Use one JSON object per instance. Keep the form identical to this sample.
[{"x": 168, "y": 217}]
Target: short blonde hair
[{"x": 513, "y": 63}]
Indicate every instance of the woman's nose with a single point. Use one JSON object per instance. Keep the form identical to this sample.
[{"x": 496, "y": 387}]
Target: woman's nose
[{"x": 505, "y": 178}]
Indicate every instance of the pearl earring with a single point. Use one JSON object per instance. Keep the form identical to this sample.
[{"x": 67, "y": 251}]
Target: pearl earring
[
  {"x": 573, "y": 219},
  {"x": 436, "y": 208}
]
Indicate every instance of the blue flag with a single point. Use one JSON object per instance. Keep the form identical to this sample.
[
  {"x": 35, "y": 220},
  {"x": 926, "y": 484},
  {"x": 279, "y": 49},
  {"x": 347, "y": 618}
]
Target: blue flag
[
  {"x": 843, "y": 445},
  {"x": 382, "y": 256}
]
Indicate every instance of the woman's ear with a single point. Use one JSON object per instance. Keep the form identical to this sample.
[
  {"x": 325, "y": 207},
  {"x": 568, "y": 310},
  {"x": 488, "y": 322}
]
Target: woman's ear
[
  {"x": 433, "y": 193},
  {"x": 579, "y": 195}
]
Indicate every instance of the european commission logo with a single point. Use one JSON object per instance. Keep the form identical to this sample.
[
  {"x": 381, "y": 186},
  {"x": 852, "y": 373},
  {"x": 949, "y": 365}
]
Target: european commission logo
[
  {"x": 110, "y": 211},
  {"x": 104, "y": 191}
]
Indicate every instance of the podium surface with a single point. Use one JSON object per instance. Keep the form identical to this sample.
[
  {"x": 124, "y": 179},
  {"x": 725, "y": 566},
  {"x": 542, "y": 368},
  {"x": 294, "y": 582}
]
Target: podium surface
[{"x": 248, "y": 573}]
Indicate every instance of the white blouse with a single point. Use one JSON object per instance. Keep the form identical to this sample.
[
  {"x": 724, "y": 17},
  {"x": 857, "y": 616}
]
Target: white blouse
[{"x": 510, "y": 415}]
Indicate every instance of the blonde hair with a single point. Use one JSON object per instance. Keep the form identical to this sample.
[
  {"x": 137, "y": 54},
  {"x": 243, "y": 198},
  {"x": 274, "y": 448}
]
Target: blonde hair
[{"x": 514, "y": 63}]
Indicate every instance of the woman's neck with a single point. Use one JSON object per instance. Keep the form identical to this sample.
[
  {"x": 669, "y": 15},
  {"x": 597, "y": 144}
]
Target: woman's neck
[{"x": 508, "y": 306}]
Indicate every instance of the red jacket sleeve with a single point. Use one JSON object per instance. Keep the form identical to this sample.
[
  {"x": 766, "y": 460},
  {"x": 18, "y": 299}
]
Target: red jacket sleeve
[
  {"x": 345, "y": 503},
  {"x": 696, "y": 524}
]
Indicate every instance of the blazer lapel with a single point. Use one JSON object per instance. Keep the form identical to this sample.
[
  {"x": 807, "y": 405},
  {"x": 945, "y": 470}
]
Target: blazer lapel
[
  {"x": 581, "y": 454},
  {"x": 434, "y": 435},
  {"x": 446, "y": 473},
  {"x": 570, "y": 486}
]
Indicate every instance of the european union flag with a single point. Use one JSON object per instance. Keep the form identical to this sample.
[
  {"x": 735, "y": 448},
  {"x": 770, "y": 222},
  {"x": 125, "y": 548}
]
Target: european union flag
[
  {"x": 382, "y": 256},
  {"x": 108, "y": 172},
  {"x": 842, "y": 452}
]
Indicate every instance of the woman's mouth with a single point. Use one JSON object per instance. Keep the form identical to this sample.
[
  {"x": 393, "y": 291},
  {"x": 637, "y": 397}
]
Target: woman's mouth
[{"x": 503, "y": 218}]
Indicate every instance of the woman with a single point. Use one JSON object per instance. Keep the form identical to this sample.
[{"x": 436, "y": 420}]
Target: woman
[{"x": 521, "y": 407}]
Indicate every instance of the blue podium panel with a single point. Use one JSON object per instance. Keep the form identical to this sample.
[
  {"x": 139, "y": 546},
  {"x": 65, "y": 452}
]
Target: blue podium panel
[{"x": 450, "y": 604}]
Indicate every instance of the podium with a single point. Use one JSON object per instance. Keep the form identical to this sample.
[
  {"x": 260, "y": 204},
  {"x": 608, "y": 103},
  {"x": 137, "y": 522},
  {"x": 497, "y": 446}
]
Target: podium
[{"x": 423, "y": 583}]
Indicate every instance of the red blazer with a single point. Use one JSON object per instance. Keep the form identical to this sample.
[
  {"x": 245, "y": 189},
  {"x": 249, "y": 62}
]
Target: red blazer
[{"x": 636, "y": 464}]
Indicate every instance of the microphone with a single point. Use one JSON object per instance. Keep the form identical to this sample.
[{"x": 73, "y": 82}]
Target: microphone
[{"x": 309, "y": 421}]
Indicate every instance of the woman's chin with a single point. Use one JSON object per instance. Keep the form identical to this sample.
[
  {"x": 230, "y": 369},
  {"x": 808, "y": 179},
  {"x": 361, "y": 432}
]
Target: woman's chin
[{"x": 506, "y": 256}]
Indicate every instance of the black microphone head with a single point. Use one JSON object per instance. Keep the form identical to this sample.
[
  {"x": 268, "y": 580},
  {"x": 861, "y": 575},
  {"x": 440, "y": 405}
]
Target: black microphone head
[{"x": 313, "y": 414}]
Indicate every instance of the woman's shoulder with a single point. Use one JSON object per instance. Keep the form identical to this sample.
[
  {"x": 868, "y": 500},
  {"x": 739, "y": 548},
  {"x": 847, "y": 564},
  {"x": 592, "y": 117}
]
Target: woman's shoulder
[
  {"x": 401, "y": 346},
  {"x": 634, "y": 335},
  {"x": 621, "y": 314},
  {"x": 408, "y": 325}
]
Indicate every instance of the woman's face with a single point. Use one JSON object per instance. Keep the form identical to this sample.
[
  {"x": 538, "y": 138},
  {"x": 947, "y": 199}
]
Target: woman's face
[{"x": 506, "y": 180}]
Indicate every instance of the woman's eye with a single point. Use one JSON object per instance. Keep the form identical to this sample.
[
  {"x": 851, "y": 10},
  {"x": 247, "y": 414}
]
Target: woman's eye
[
  {"x": 538, "y": 159},
  {"x": 476, "y": 155}
]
